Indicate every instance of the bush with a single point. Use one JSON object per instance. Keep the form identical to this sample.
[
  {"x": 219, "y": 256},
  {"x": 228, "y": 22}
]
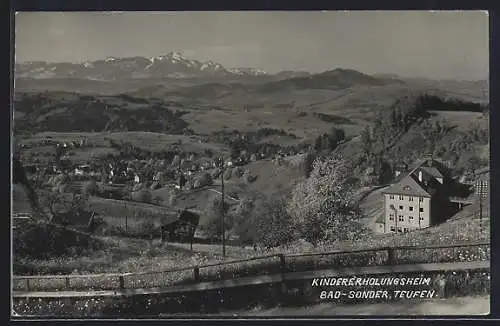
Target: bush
[
  {"x": 143, "y": 196},
  {"x": 228, "y": 174},
  {"x": 172, "y": 198},
  {"x": 238, "y": 172},
  {"x": 41, "y": 240},
  {"x": 216, "y": 173},
  {"x": 204, "y": 180},
  {"x": 208, "y": 152},
  {"x": 212, "y": 224},
  {"x": 248, "y": 178},
  {"x": 91, "y": 188},
  {"x": 146, "y": 228},
  {"x": 263, "y": 221}
]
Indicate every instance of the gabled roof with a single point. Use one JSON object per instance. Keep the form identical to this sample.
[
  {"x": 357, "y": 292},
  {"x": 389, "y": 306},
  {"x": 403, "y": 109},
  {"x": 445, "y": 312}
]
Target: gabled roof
[
  {"x": 433, "y": 171},
  {"x": 408, "y": 186}
]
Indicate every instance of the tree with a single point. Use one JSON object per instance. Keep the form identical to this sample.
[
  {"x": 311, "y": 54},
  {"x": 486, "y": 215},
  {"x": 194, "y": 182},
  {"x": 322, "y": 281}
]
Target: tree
[
  {"x": 212, "y": 224},
  {"x": 62, "y": 207},
  {"x": 322, "y": 207},
  {"x": 273, "y": 224},
  {"x": 91, "y": 188},
  {"x": 366, "y": 140},
  {"x": 263, "y": 221},
  {"x": 307, "y": 163},
  {"x": 243, "y": 222}
]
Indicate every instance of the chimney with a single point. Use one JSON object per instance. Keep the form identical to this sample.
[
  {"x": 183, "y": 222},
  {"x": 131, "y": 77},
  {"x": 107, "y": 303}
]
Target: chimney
[{"x": 420, "y": 176}]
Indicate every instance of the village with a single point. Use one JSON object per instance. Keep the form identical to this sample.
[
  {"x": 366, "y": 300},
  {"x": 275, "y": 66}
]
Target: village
[{"x": 422, "y": 195}]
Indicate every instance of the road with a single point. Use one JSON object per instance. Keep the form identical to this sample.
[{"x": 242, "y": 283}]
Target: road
[{"x": 454, "y": 306}]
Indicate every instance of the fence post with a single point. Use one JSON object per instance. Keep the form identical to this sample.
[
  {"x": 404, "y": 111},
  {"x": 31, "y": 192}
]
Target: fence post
[
  {"x": 122, "y": 282},
  {"x": 196, "y": 274},
  {"x": 27, "y": 284},
  {"x": 390, "y": 256},
  {"x": 282, "y": 271},
  {"x": 282, "y": 265},
  {"x": 67, "y": 283}
]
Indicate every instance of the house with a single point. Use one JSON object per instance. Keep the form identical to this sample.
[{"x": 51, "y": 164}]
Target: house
[
  {"x": 400, "y": 168},
  {"x": 417, "y": 200},
  {"x": 82, "y": 169},
  {"x": 482, "y": 182},
  {"x": 159, "y": 176}
]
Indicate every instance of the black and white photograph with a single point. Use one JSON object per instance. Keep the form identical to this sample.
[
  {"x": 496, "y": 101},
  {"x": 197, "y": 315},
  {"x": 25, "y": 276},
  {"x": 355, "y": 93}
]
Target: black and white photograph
[{"x": 278, "y": 164}]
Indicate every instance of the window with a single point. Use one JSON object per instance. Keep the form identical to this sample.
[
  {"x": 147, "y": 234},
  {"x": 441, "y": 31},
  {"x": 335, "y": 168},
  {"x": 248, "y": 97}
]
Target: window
[
  {"x": 421, "y": 199},
  {"x": 411, "y": 208},
  {"x": 401, "y": 197},
  {"x": 393, "y": 229},
  {"x": 401, "y": 218},
  {"x": 391, "y": 217},
  {"x": 391, "y": 196},
  {"x": 410, "y": 217},
  {"x": 410, "y": 198},
  {"x": 400, "y": 206},
  {"x": 399, "y": 230},
  {"x": 406, "y": 230},
  {"x": 421, "y": 209},
  {"x": 421, "y": 218}
]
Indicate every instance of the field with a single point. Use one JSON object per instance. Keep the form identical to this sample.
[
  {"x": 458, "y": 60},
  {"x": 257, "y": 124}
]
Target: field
[
  {"x": 307, "y": 127},
  {"x": 119, "y": 255},
  {"x": 114, "y": 212},
  {"x": 462, "y": 120},
  {"x": 98, "y": 143}
]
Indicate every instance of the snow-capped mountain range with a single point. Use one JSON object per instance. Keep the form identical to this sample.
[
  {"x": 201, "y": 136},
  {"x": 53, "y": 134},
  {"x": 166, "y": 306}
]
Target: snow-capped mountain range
[{"x": 171, "y": 65}]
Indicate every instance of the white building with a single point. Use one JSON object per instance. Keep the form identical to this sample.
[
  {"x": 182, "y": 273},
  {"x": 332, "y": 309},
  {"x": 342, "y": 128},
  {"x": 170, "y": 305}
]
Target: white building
[{"x": 413, "y": 202}]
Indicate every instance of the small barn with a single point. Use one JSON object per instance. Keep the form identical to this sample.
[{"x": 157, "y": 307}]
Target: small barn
[{"x": 182, "y": 229}]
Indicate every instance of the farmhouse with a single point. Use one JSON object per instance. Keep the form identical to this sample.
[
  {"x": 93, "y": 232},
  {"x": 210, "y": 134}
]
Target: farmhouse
[
  {"x": 417, "y": 200},
  {"x": 82, "y": 169}
]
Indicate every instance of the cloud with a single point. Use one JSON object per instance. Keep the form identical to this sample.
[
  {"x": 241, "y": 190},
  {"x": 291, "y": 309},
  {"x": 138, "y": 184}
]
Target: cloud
[
  {"x": 56, "y": 32},
  {"x": 226, "y": 51}
]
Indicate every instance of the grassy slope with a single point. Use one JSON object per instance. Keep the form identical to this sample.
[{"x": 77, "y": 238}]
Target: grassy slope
[{"x": 119, "y": 255}]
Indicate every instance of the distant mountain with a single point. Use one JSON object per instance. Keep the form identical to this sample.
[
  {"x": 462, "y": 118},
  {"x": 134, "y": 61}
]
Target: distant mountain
[
  {"x": 248, "y": 72},
  {"x": 333, "y": 79},
  {"x": 171, "y": 65},
  {"x": 292, "y": 74}
]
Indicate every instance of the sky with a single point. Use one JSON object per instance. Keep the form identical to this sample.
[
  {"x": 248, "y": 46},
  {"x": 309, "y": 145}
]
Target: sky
[{"x": 439, "y": 45}]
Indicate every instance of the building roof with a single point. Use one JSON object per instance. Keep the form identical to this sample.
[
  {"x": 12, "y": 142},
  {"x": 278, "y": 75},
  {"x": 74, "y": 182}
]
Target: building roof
[
  {"x": 408, "y": 186},
  {"x": 484, "y": 177},
  {"x": 433, "y": 171},
  {"x": 380, "y": 218}
]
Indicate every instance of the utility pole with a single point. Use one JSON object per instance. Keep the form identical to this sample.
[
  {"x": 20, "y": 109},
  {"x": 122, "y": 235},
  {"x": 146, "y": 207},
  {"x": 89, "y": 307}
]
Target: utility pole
[
  {"x": 481, "y": 191},
  {"x": 223, "y": 229}
]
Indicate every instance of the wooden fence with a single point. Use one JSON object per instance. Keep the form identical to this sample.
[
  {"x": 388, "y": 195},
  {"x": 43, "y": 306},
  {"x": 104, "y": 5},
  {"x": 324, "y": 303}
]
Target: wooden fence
[{"x": 263, "y": 266}]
